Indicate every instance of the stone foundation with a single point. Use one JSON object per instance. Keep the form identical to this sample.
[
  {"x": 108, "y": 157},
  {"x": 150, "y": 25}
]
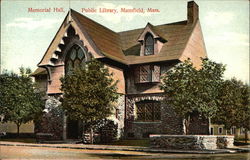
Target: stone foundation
[
  {"x": 225, "y": 142},
  {"x": 191, "y": 142},
  {"x": 170, "y": 123},
  {"x": 118, "y": 117}
]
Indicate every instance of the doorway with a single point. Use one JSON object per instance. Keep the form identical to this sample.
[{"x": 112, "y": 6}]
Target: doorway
[{"x": 74, "y": 129}]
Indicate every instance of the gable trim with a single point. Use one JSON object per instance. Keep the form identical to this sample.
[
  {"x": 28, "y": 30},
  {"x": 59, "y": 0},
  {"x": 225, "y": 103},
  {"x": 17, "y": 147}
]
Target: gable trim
[
  {"x": 78, "y": 25},
  {"x": 64, "y": 23},
  {"x": 147, "y": 29}
]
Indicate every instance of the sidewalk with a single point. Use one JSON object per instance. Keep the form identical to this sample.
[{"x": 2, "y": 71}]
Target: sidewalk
[{"x": 125, "y": 148}]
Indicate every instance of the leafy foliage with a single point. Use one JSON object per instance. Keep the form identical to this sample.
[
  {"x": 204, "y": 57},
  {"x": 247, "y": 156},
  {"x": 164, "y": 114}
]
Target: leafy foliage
[
  {"x": 244, "y": 110},
  {"x": 89, "y": 93},
  {"x": 20, "y": 101},
  {"x": 106, "y": 131},
  {"x": 233, "y": 104},
  {"x": 52, "y": 113},
  {"x": 190, "y": 91}
]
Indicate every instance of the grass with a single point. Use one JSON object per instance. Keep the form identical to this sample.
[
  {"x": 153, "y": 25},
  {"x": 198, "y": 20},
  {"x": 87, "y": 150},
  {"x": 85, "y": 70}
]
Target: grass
[
  {"x": 24, "y": 140},
  {"x": 143, "y": 143},
  {"x": 248, "y": 141}
]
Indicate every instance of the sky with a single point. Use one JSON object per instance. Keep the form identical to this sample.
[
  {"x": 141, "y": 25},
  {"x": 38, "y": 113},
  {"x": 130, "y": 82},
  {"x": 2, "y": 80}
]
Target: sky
[{"x": 25, "y": 36}]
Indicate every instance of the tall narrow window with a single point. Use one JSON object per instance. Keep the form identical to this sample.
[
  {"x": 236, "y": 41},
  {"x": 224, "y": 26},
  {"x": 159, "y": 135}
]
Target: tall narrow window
[
  {"x": 149, "y": 44},
  {"x": 75, "y": 58},
  {"x": 233, "y": 130},
  {"x": 211, "y": 131}
]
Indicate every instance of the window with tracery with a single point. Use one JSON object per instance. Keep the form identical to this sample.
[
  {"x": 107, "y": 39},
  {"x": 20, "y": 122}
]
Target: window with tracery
[
  {"x": 149, "y": 44},
  {"x": 75, "y": 59},
  {"x": 148, "y": 111}
]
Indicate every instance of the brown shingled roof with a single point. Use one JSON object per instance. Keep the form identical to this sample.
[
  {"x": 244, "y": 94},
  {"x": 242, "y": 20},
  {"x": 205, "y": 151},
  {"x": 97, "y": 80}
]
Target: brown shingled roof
[
  {"x": 176, "y": 34},
  {"x": 123, "y": 46},
  {"x": 39, "y": 71},
  {"x": 105, "y": 39}
]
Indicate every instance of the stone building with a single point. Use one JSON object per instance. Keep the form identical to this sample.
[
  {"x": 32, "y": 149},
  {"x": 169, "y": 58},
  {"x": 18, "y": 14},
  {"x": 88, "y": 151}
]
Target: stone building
[{"x": 137, "y": 59}]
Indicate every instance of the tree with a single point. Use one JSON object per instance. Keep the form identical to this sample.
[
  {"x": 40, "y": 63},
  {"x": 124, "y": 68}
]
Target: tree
[
  {"x": 233, "y": 105},
  {"x": 244, "y": 110},
  {"x": 191, "y": 91},
  {"x": 88, "y": 93},
  {"x": 20, "y": 101},
  {"x": 229, "y": 99}
]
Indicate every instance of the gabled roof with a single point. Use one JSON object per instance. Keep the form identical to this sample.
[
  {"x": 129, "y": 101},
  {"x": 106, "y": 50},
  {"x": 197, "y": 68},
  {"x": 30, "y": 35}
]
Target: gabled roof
[
  {"x": 107, "y": 41},
  {"x": 150, "y": 28},
  {"x": 123, "y": 46},
  {"x": 39, "y": 71},
  {"x": 176, "y": 34}
]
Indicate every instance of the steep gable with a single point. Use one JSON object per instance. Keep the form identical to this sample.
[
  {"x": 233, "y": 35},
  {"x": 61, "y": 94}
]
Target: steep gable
[
  {"x": 195, "y": 48},
  {"x": 57, "y": 46},
  {"x": 181, "y": 40},
  {"x": 149, "y": 28},
  {"x": 176, "y": 34},
  {"x": 54, "y": 43},
  {"x": 105, "y": 39}
]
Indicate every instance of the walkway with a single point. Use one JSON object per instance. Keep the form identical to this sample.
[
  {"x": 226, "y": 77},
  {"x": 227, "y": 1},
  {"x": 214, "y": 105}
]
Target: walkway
[{"x": 125, "y": 148}]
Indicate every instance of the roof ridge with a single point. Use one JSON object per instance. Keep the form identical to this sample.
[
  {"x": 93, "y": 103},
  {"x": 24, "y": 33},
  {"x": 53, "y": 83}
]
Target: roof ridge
[
  {"x": 172, "y": 23},
  {"x": 93, "y": 21}
]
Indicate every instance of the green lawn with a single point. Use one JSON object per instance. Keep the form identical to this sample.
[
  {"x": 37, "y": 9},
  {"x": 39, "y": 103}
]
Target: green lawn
[
  {"x": 143, "y": 143},
  {"x": 25, "y": 140}
]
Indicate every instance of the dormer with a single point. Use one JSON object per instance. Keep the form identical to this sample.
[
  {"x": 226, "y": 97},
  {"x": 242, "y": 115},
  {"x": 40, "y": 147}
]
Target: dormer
[{"x": 151, "y": 41}]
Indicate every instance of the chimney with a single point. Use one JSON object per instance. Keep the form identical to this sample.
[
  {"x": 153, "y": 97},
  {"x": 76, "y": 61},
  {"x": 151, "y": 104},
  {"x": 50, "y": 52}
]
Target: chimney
[{"x": 193, "y": 12}]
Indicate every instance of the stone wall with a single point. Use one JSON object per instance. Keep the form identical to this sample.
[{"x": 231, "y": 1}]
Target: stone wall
[
  {"x": 225, "y": 142},
  {"x": 169, "y": 123},
  {"x": 118, "y": 115},
  {"x": 191, "y": 142}
]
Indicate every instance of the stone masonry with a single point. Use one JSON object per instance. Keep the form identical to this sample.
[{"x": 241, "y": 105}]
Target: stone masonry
[
  {"x": 169, "y": 123},
  {"x": 191, "y": 142}
]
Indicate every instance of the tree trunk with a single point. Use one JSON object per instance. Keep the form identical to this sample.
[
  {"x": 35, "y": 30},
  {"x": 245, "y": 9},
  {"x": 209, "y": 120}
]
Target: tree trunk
[
  {"x": 186, "y": 123},
  {"x": 246, "y": 135},
  {"x": 91, "y": 135},
  {"x": 209, "y": 126},
  {"x": 18, "y": 129}
]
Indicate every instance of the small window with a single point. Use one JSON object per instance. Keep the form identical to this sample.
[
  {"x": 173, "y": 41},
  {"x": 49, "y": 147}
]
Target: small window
[
  {"x": 117, "y": 113},
  {"x": 242, "y": 130},
  {"x": 148, "y": 111},
  {"x": 233, "y": 130},
  {"x": 149, "y": 45},
  {"x": 220, "y": 130},
  {"x": 211, "y": 131},
  {"x": 147, "y": 73}
]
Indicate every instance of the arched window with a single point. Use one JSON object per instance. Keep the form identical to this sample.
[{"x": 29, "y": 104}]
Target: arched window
[
  {"x": 149, "y": 44},
  {"x": 148, "y": 110},
  {"x": 75, "y": 59}
]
